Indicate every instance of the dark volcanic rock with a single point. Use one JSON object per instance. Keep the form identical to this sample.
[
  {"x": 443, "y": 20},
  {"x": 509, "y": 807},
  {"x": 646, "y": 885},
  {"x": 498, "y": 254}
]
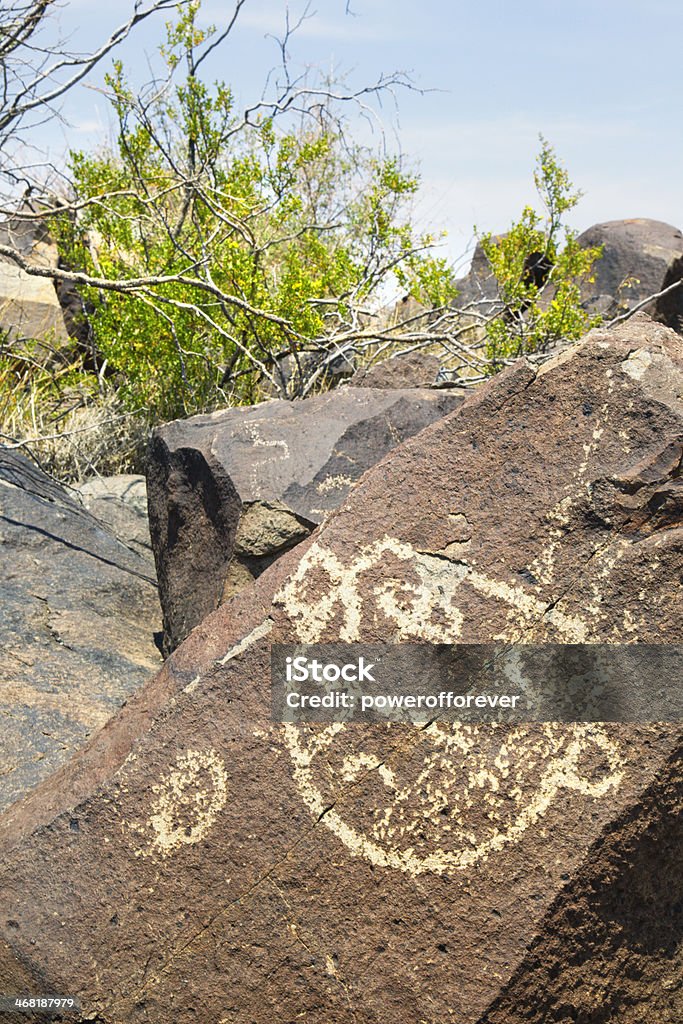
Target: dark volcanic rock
[
  {"x": 78, "y": 612},
  {"x": 611, "y": 949},
  {"x": 669, "y": 308},
  {"x": 286, "y": 464},
  {"x": 227, "y": 868},
  {"x": 637, "y": 256},
  {"x": 640, "y": 258}
]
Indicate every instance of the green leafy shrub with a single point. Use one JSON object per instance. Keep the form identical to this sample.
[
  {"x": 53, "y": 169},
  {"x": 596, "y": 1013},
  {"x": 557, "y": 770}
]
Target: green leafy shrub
[
  {"x": 535, "y": 314},
  {"x": 255, "y": 237}
]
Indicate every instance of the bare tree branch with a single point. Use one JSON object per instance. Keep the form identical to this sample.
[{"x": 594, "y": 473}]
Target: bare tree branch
[
  {"x": 37, "y": 91},
  {"x": 645, "y": 302}
]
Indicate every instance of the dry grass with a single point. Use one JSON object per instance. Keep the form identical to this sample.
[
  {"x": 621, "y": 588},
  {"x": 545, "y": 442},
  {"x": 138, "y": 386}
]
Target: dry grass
[{"x": 71, "y": 425}]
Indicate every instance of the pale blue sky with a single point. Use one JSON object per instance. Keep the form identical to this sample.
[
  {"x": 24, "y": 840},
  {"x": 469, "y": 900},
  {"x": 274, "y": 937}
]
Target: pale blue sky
[{"x": 599, "y": 78}]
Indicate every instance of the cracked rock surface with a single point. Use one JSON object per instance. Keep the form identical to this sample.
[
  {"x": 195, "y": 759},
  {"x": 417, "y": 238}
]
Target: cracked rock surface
[
  {"x": 269, "y": 473},
  {"x": 78, "y": 611},
  {"x": 197, "y": 861}
]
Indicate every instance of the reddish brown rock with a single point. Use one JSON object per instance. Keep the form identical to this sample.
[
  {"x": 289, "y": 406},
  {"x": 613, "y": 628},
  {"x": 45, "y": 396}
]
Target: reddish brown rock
[
  {"x": 200, "y": 862},
  {"x": 231, "y": 491}
]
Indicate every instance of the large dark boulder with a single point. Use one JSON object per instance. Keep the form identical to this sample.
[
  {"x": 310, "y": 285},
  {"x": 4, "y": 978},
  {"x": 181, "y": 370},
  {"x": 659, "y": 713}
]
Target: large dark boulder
[
  {"x": 640, "y": 257},
  {"x": 78, "y": 612},
  {"x": 200, "y": 862},
  {"x": 636, "y": 262},
  {"x": 229, "y": 492},
  {"x": 669, "y": 307}
]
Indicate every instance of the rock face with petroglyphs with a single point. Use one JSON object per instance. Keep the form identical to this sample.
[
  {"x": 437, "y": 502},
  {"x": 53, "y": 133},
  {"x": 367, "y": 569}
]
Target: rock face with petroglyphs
[
  {"x": 229, "y": 492},
  {"x": 200, "y": 862},
  {"x": 78, "y": 612}
]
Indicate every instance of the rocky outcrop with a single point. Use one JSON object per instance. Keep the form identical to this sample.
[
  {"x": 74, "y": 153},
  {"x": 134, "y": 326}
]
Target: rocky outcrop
[
  {"x": 199, "y": 861},
  {"x": 231, "y": 491},
  {"x": 78, "y": 611},
  {"x": 29, "y": 306},
  {"x": 637, "y": 257},
  {"x": 479, "y": 288},
  {"x": 640, "y": 258},
  {"x": 120, "y": 503}
]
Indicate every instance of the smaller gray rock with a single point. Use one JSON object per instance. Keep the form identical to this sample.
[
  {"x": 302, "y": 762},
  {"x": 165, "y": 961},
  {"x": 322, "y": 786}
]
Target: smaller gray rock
[
  {"x": 268, "y": 527},
  {"x": 120, "y": 503},
  {"x": 265, "y": 531}
]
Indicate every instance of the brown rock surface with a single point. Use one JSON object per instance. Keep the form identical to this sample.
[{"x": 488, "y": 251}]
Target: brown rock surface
[
  {"x": 231, "y": 491},
  {"x": 78, "y": 612},
  {"x": 415, "y": 370},
  {"x": 200, "y": 862}
]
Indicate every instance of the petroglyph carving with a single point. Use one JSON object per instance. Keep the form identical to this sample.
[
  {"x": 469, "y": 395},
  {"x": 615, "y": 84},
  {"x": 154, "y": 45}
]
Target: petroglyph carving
[
  {"x": 415, "y": 593},
  {"x": 412, "y": 599},
  {"x": 459, "y": 794},
  {"x": 187, "y": 802},
  {"x": 334, "y": 483}
]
